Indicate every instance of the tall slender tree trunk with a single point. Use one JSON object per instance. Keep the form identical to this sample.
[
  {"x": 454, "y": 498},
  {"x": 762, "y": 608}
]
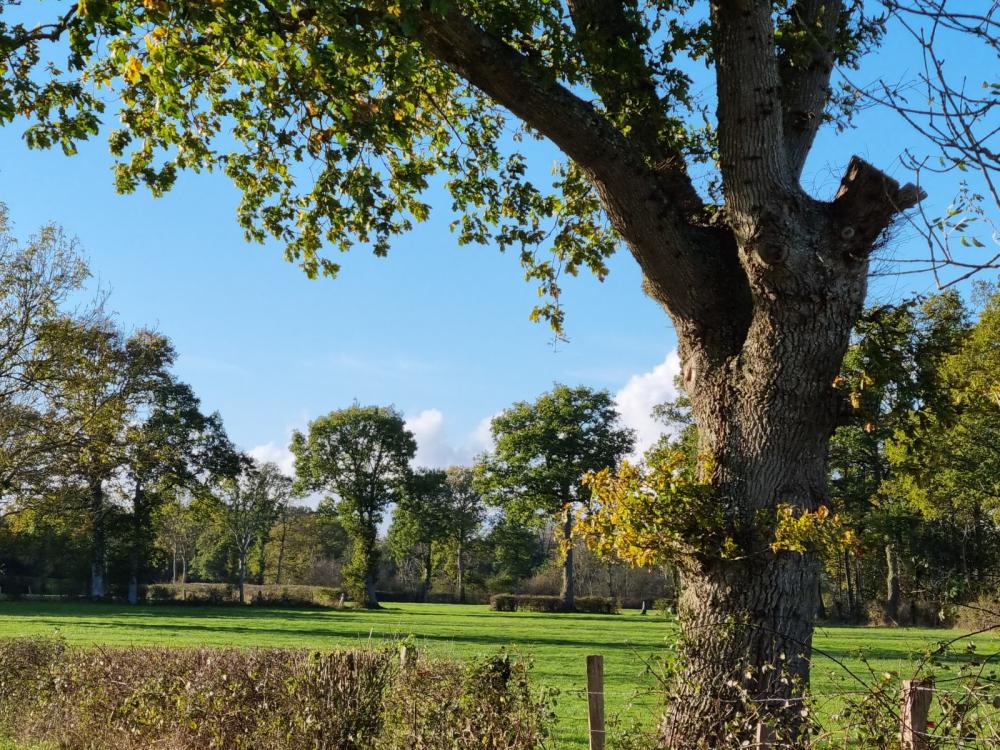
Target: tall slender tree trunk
[
  {"x": 241, "y": 571},
  {"x": 368, "y": 563},
  {"x": 460, "y": 570},
  {"x": 425, "y": 588},
  {"x": 173, "y": 565},
  {"x": 568, "y": 588},
  {"x": 281, "y": 548},
  {"x": 136, "y": 555},
  {"x": 859, "y": 587},
  {"x": 261, "y": 559},
  {"x": 892, "y": 582},
  {"x": 98, "y": 541},
  {"x": 848, "y": 578}
]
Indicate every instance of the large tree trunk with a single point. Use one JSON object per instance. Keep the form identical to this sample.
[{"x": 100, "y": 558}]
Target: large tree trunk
[
  {"x": 98, "y": 542},
  {"x": 568, "y": 588},
  {"x": 764, "y": 417}
]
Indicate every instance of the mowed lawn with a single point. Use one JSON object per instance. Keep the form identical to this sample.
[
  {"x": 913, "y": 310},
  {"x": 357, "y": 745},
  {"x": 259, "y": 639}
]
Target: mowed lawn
[{"x": 557, "y": 644}]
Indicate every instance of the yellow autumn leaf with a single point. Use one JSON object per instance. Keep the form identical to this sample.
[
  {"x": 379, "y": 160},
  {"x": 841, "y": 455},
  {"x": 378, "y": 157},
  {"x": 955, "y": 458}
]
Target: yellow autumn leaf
[{"x": 133, "y": 70}]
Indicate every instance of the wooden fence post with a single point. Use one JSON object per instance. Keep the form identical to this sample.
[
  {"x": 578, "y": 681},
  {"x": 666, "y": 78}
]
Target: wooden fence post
[
  {"x": 595, "y": 700},
  {"x": 764, "y": 738},
  {"x": 916, "y": 705},
  {"x": 407, "y": 657}
]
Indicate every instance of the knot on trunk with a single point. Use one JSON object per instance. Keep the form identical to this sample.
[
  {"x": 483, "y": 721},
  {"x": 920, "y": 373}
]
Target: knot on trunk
[{"x": 866, "y": 203}]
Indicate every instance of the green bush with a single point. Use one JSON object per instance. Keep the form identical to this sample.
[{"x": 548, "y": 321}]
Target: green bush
[
  {"x": 271, "y": 595},
  {"x": 485, "y": 704},
  {"x": 266, "y": 699},
  {"x": 601, "y": 605},
  {"x": 540, "y": 603}
]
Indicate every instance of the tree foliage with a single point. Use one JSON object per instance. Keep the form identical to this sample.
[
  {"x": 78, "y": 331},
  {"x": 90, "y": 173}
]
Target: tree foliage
[{"x": 361, "y": 456}]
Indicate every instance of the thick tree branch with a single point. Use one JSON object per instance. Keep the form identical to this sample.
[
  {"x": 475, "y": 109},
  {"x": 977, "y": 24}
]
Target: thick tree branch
[
  {"x": 646, "y": 216},
  {"x": 805, "y": 66},
  {"x": 866, "y": 203},
  {"x": 752, "y": 153},
  {"x": 610, "y": 40}
]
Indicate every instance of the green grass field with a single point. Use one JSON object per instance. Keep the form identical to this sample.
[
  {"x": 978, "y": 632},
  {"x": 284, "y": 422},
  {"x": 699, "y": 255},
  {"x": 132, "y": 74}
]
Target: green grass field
[{"x": 558, "y": 644}]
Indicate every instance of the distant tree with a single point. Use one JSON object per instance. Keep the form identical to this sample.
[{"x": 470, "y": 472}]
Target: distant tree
[
  {"x": 107, "y": 381},
  {"x": 515, "y": 550},
  {"x": 892, "y": 375},
  {"x": 37, "y": 281},
  {"x": 465, "y": 515},
  {"x": 421, "y": 520},
  {"x": 361, "y": 456},
  {"x": 281, "y": 525},
  {"x": 945, "y": 456},
  {"x": 305, "y": 543},
  {"x": 250, "y": 501},
  {"x": 170, "y": 445},
  {"x": 178, "y": 529},
  {"x": 682, "y": 432},
  {"x": 544, "y": 449}
]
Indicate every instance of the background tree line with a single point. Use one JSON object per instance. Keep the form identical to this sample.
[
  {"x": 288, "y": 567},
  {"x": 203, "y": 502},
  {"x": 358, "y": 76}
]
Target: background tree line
[{"x": 111, "y": 475}]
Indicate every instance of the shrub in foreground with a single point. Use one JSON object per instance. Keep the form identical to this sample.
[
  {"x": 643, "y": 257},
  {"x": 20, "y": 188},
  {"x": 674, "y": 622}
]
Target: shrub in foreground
[
  {"x": 266, "y": 699},
  {"x": 486, "y": 704},
  {"x": 539, "y": 603}
]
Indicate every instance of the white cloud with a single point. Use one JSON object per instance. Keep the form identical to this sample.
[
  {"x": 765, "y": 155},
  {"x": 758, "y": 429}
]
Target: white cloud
[
  {"x": 434, "y": 448},
  {"x": 641, "y": 393},
  {"x": 481, "y": 438},
  {"x": 276, "y": 454}
]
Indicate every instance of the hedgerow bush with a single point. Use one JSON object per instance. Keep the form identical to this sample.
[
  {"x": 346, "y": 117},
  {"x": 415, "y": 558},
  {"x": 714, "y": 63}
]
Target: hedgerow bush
[
  {"x": 540, "y": 603},
  {"x": 485, "y": 704},
  {"x": 270, "y": 595},
  {"x": 265, "y": 699}
]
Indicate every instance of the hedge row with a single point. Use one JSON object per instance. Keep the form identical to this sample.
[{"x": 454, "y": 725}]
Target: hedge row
[
  {"x": 207, "y": 699},
  {"x": 271, "y": 595},
  {"x": 538, "y": 603}
]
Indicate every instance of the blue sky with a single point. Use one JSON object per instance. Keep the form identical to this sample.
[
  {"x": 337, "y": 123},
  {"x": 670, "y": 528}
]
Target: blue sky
[{"x": 440, "y": 331}]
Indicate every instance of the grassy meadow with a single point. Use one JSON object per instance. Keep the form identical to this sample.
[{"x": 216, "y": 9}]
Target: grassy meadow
[{"x": 557, "y": 644}]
